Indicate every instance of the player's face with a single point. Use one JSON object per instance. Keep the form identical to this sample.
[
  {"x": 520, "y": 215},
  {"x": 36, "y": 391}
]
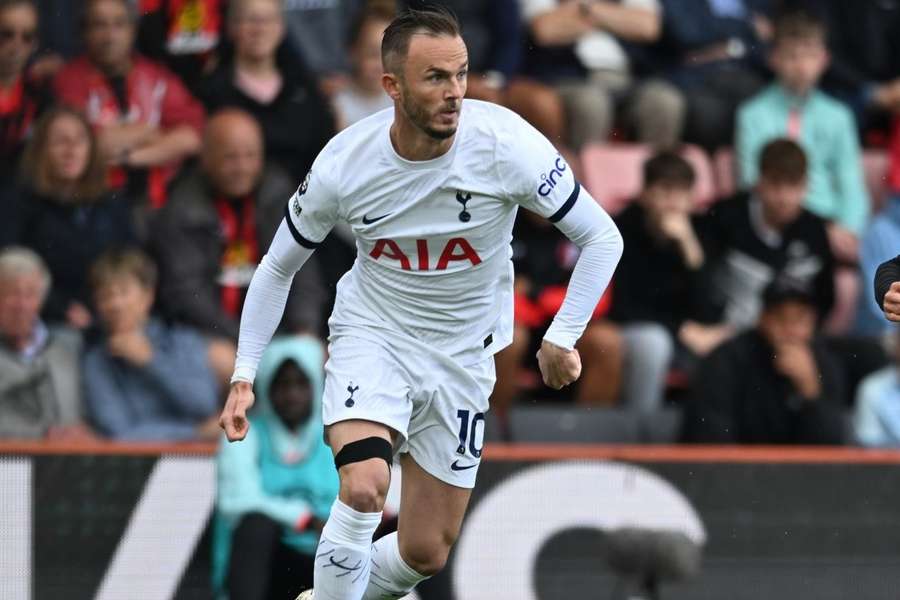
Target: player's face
[
  {"x": 781, "y": 201},
  {"x": 21, "y": 297},
  {"x": 18, "y": 38},
  {"x": 109, "y": 34},
  {"x": 791, "y": 322},
  {"x": 434, "y": 83},
  {"x": 123, "y": 304},
  {"x": 291, "y": 395}
]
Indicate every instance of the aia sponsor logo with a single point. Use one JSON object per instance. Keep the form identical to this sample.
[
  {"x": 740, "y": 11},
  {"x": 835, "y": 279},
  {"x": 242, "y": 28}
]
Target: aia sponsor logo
[{"x": 456, "y": 249}]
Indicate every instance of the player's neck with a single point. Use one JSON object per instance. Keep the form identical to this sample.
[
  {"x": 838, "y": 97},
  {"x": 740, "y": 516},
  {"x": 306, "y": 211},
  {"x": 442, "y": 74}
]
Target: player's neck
[{"x": 411, "y": 143}]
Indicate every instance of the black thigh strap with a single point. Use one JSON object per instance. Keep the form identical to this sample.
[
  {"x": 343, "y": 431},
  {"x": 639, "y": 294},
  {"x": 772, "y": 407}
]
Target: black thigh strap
[{"x": 360, "y": 450}]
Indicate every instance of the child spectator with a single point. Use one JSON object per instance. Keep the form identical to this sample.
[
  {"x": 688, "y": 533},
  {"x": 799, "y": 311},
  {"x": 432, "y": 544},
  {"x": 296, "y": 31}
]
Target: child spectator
[
  {"x": 364, "y": 95},
  {"x": 144, "y": 380}
]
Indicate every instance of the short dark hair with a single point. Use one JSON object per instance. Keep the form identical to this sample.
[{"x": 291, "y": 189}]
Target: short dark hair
[
  {"x": 783, "y": 161},
  {"x": 798, "y": 25},
  {"x": 669, "y": 169},
  {"x": 434, "y": 21},
  {"x": 119, "y": 262}
]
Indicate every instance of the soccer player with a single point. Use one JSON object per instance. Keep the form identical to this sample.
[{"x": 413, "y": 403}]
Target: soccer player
[{"x": 430, "y": 190}]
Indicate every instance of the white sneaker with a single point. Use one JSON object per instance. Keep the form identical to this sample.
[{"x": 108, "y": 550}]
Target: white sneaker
[{"x": 307, "y": 595}]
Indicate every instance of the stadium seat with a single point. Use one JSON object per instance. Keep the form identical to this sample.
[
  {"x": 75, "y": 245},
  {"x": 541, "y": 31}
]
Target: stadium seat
[
  {"x": 552, "y": 424},
  {"x": 612, "y": 173},
  {"x": 875, "y": 168},
  {"x": 725, "y": 174}
]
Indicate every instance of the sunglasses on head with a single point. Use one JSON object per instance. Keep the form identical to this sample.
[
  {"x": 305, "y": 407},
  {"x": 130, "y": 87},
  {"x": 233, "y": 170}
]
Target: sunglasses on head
[{"x": 7, "y": 35}]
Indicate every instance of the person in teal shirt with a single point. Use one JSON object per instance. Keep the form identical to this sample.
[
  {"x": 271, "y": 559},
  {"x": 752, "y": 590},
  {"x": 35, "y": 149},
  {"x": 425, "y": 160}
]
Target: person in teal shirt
[
  {"x": 275, "y": 489},
  {"x": 793, "y": 107}
]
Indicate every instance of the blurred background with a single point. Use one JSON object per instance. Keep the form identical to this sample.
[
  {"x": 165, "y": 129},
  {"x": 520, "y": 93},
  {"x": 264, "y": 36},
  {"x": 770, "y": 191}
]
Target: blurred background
[{"x": 734, "y": 431}]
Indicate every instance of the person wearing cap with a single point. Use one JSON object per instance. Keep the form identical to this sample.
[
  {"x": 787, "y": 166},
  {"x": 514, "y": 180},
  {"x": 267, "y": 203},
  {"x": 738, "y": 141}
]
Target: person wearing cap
[{"x": 773, "y": 384}]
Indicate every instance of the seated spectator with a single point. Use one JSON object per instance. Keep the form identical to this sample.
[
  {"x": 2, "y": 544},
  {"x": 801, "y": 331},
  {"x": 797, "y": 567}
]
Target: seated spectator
[
  {"x": 22, "y": 97},
  {"x": 40, "y": 380},
  {"x": 876, "y": 420},
  {"x": 364, "y": 94},
  {"x": 277, "y": 486},
  {"x": 658, "y": 281},
  {"x": 880, "y": 241},
  {"x": 211, "y": 235},
  {"x": 864, "y": 68},
  {"x": 143, "y": 379},
  {"x": 185, "y": 36},
  {"x": 773, "y": 384},
  {"x": 794, "y": 108},
  {"x": 66, "y": 213},
  {"x": 146, "y": 120},
  {"x": 263, "y": 79},
  {"x": 544, "y": 259},
  {"x": 715, "y": 53},
  {"x": 760, "y": 234},
  {"x": 580, "y": 49}
]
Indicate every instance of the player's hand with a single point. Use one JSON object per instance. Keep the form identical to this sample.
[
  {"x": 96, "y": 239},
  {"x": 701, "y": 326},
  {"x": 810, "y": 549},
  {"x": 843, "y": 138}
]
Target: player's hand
[
  {"x": 892, "y": 302},
  {"x": 559, "y": 367},
  {"x": 234, "y": 415}
]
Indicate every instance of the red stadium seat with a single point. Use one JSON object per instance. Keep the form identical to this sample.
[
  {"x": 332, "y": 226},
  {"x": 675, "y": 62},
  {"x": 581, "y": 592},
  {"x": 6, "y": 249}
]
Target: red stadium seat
[{"x": 612, "y": 173}]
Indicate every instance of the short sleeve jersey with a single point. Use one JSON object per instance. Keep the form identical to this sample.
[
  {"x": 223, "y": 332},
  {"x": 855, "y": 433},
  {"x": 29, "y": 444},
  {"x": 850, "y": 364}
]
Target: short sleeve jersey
[{"x": 433, "y": 237}]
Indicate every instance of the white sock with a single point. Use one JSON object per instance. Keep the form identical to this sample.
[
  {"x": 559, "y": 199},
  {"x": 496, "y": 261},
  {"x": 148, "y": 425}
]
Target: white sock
[
  {"x": 391, "y": 577},
  {"x": 342, "y": 558}
]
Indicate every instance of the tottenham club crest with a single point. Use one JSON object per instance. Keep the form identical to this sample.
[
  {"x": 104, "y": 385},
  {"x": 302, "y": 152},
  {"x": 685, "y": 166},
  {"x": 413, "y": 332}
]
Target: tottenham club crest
[{"x": 463, "y": 197}]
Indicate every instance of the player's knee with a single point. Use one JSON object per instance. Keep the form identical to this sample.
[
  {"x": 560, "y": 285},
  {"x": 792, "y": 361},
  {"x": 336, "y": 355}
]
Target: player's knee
[
  {"x": 364, "y": 485},
  {"x": 427, "y": 557}
]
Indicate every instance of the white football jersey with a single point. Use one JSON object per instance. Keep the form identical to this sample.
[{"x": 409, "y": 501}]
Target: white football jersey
[{"x": 433, "y": 237}]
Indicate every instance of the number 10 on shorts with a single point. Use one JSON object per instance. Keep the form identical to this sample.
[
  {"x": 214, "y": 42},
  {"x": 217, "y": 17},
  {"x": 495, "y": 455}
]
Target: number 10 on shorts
[{"x": 468, "y": 432}]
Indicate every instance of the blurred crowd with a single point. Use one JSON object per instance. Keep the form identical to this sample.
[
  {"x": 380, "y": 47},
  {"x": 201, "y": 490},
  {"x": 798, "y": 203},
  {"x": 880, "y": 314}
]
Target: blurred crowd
[{"x": 149, "y": 146}]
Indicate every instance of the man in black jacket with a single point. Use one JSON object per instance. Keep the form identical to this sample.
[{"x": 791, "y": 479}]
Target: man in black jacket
[{"x": 774, "y": 384}]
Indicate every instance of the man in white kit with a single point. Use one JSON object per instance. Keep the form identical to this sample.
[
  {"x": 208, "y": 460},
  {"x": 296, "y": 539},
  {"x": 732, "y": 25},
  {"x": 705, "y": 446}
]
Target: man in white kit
[{"x": 430, "y": 189}]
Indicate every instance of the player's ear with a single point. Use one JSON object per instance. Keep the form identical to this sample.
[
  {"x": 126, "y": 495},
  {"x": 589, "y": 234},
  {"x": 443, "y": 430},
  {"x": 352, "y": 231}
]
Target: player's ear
[{"x": 391, "y": 85}]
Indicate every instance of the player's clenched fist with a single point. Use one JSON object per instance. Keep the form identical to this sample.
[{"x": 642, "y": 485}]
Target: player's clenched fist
[
  {"x": 892, "y": 302},
  {"x": 234, "y": 415},
  {"x": 559, "y": 366}
]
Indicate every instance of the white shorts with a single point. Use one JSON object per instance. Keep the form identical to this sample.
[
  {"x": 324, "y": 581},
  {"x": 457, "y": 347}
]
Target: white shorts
[{"x": 436, "y": 404}]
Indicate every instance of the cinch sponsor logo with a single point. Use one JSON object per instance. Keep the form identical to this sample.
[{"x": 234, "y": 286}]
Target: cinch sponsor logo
[{"x": 549, "y": 180}]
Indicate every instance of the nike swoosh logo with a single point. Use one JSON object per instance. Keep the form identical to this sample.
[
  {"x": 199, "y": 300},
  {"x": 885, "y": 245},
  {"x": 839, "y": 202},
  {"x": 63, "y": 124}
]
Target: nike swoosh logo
[
  {"x": 455, "y": 466},
  {"x": 368, "y": 221}
]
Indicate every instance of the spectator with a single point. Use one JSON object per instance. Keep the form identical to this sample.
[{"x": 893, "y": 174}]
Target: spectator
[
  {"x": 65, "y": 211},
  {"x": 876, "y": 421},
  {"x": 864, "y": 70},
  {"x": 317, "y": 32},
  {"x": 774, "y": 384},
  {"x": 580, "y": 49},
  {"x": 211, "y": 235},
  {"x": 654, "y": 300},
  {"x": 40, "y": 391},
  {"x": 364, "y": 94},
  {"x": 880, "y": 241},
  {"x": 144, "y": 380},
  {"x": 544, "y": 259},
  {"x": 793, "y": 107},
  {"x": 146, "y": 120},
  {"x": 758, "y": 235},
  {"x": 296, "y": 120},
  {"x": 714, "y": 48},
  {"x": 22, "y": 98},
  {"x": 277, "y": 486},
  {"x": 185, "y": 36}
]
